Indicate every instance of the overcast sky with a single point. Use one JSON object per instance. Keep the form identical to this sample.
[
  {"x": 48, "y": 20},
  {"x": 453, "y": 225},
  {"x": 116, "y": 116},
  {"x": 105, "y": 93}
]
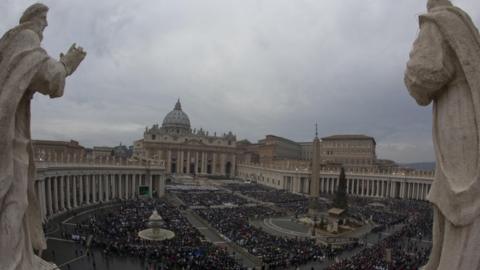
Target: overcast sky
[{"x": 252, "y": 67}]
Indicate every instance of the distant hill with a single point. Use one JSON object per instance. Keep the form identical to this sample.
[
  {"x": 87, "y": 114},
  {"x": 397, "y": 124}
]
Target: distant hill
[{"x": 424, "y": 166}]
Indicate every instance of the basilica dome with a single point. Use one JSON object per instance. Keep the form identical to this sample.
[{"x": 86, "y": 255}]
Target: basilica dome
[{"x": 176, "y": 119}]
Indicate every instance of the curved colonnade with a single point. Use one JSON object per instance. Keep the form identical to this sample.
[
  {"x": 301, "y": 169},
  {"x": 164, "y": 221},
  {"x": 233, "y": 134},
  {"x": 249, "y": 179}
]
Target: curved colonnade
[
  {"x": 66, "y": 186},
  {"x": 396, "y": 184}
]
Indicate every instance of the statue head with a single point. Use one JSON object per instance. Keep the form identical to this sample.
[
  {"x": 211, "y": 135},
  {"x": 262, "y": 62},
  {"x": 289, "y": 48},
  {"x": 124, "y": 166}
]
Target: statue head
[
  {"x": 36, "y": 15},
  {"x": 437, "y": 3}
]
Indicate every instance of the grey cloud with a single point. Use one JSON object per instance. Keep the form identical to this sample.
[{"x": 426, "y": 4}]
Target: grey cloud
[{"x": 253, "y": 67}]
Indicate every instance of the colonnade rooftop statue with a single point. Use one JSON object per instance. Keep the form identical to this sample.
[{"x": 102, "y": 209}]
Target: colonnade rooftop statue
[
  {"x": 25, "y": 68},
  {"x": 444, "y": 68}
]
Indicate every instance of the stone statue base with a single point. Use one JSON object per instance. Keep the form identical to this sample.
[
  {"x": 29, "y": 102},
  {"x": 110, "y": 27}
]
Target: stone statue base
[{"x": 40, "y": 264}]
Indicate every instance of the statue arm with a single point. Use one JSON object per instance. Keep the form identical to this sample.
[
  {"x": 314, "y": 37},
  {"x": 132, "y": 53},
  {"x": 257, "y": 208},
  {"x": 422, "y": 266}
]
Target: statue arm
[
  {"x": 50, "y": 79},
  {"x": 429, "y": 68}
]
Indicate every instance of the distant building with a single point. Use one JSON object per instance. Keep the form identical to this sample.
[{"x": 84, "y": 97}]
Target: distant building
[
  {"x": 48, "y": 150},
  {"x": 349, "y": 150},
  {"x": 187, "y": 151},
  {"x": 277, "y": 148}
]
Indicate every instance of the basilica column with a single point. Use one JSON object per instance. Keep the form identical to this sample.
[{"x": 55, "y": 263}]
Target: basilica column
[
  {"x": 214, "y": 163},
  {"x": 204, "y": 163},
  {"x": 169, "y": 162},
  {"x": 182, "y": 161},
  {"x": 196, "y": 162},
  {"x": 188, "y": 162},
  {"x": 222, "y": 164},
  {"x": 234, "y": 165}
]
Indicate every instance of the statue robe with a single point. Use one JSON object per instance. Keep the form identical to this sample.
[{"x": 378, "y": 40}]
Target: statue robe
[
  {"x": 444, "y": 67},
  {"x": 24, "y": 69}
]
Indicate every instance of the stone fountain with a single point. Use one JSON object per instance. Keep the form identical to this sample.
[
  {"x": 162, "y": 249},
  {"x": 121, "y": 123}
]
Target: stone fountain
[{"x": 155, "y": 231}]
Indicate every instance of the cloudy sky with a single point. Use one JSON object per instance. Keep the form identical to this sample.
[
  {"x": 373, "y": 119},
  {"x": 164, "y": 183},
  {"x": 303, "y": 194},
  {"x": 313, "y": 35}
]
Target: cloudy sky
[{"x": 254, "y": 67}]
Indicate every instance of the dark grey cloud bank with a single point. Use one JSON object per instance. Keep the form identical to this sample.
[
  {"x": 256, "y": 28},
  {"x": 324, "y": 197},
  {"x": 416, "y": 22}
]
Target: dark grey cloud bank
[{"x": 253, "y": 67}]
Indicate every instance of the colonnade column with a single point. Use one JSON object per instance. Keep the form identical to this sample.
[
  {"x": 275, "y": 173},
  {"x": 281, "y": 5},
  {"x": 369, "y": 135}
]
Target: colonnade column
[
  {"x": 114, "y": 186},
  {"x": 69, "y": 205},
  {"x": 82, "y": 194},
  {"x": 55, "y": 194},
  {"x": 74, "y": 183},
  {"x": 49, "y": 195},
  {"x": 62, "y": 193},
  {"x": 120, "y": 186},
  {"x": 108, "y": 193},
  {"x": 94, "y": 184},
  {"x": 188, "y": 163},
  {"x": 100, "y": 188}
]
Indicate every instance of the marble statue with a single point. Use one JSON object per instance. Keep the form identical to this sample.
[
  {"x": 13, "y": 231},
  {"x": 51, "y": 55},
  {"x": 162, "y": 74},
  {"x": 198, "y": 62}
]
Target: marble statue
[
  {"x": 444, "y": 68},
  {"x": 25, "y": 68}
]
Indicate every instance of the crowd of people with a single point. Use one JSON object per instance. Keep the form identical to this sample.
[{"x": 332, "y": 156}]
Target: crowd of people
[
  {"x": 404, "y": 249},
  {"x": 295, "y": 203},
  {"x": 275, "y": 251},
  {"x": 210, "y": 198},
  {"x": 116, "y": 232}
]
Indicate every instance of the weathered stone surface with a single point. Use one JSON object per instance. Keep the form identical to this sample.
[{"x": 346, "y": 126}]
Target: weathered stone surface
[
  {"x": 444, "y": 68},
  {"x": 25, "y": 68}
]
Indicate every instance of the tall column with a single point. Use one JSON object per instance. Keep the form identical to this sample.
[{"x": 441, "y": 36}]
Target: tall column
[
  {"x": 82, "y": 193},
  {"x": 88, "y": 188},
  {"x": 41, "y": 190},
  {"x": 101, "y": 183},
  {"x": 222, "y": 163},
  {"x": 74, "y": 191},
  {"x": 113, "y": 177},
  {"x": 106, "y": 179},
  {"x": 214, "y": 163},
  {"x": 49, "y": 195},
  {"x": 62, "y": 193},
  {"x": 196, "y": 162},
  {"x": 234, "y": 165},
  {"x": 55, "y": 194},
  {"x": 95, "y": 188},
  {"x": 169, "y": 161},
  {"x": 188, "y": 162},
  {"x": 118, "y": 183},
  {"x": 182, "y": 162},
  {"x": 69, "y": 205},
  {"x": 129, "y": 185},
  {"x": 150, "y": 184}
]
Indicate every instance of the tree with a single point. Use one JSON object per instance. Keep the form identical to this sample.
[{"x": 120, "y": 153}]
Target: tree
[{"x": 340, "y": 200}]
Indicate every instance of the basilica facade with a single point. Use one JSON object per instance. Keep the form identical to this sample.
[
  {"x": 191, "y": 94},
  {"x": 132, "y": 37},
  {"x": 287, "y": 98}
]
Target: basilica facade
[{"x": 187, "y": 151}]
